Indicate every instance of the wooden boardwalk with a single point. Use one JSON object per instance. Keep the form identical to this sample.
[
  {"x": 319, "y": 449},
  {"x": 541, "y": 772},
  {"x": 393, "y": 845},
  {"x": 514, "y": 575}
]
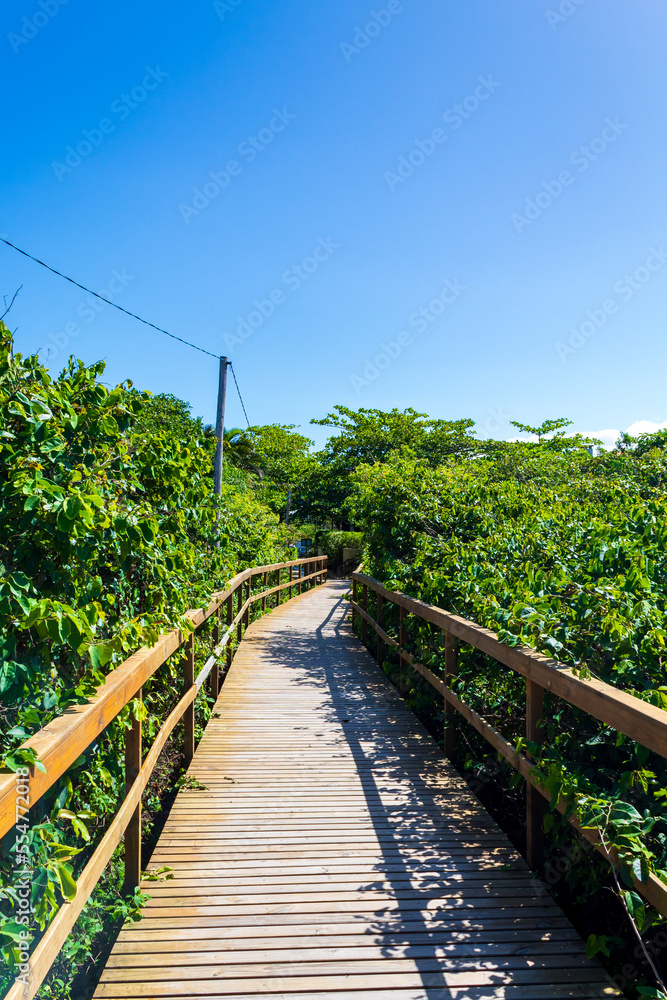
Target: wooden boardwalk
[{"x": 335, "y": 853}]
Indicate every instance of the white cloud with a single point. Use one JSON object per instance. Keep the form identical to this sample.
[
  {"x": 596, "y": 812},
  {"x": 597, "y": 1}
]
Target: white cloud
[
  {"x": 645, "y": 427},
  {"x": 610, "y": 436}
]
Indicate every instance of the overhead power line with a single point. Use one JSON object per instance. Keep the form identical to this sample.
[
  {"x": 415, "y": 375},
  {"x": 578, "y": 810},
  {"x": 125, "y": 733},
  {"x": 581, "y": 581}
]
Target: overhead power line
[
  {"x": 127, "y": 312},
  {"x": 115, "y": 305},
  {"x": 239, "y": 392}
]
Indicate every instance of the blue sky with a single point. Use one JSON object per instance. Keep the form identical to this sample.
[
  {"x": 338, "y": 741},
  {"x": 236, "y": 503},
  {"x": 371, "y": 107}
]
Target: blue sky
[{"x": 455, "y": 206}]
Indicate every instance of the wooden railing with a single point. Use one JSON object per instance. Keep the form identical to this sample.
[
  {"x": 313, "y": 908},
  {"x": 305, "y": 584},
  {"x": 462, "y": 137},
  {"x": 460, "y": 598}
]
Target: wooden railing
[
  {"x": 636, "y": 719},
  {"x": 60, "y": 743}
]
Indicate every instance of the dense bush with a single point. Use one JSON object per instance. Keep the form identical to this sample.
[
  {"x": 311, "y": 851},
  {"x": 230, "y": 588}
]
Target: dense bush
[
  {"x": 334, "y": 545},
  {"x": 107, "y": 536},
  {"x": 547, "y": 546}
]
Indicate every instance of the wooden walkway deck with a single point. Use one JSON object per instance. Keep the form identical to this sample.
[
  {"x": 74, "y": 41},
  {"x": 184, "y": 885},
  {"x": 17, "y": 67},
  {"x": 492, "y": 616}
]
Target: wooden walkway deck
[{"x": 335, "y": 853}]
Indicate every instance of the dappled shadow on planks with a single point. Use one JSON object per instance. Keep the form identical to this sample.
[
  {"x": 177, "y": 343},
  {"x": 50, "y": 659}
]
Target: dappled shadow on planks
[
  {"x": 334, "y": 854},
  {"x": 434, "y": 814}
]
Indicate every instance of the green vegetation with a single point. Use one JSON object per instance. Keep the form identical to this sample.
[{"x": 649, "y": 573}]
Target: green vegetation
[
  {"x": 548, "y": 546},
  {"x": 343, "y": 549},
  {"x": 107, "y": 536},
  {"x": 108, "y": 531}
]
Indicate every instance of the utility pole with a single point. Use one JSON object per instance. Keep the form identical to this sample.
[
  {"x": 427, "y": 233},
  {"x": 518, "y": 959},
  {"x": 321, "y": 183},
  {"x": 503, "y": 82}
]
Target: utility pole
[{"x": 220, "y": 425}]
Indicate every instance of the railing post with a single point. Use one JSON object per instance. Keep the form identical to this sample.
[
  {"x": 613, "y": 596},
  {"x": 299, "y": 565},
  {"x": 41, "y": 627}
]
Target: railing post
[
  {"x": 230, "y": 619},
  {"x": 133, "y": 832},
  {"x": 189, "y": 715},
  {"x": 290, "y": 590},
  {"x": 355, "y": 595},
  {"x": 278, "y": 592},
  {"x": 378, "y": 619},
  {"x": 535, "y": 803},
  {"x": 364, "y": 604},
  {"x": 248, "y": 586},
  {"x": 402, "y": 640},
  {"x": 450, "y": 674},
  {"x": 266, "y": 587},
  {"x": 300, "y": 578},
  {"x": 239, "y": 605},
  {"x": 215, "y": 672}
]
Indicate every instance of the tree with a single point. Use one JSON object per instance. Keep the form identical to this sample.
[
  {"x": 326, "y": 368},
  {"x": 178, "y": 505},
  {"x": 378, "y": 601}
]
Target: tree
[
  {"x": 166, "y": 413},
  {"x": 239, "y": 449},
  {"x": 552, "y": 427},
  {"x": 368, "y": 437},
  {"x": 284, "y": 456}
]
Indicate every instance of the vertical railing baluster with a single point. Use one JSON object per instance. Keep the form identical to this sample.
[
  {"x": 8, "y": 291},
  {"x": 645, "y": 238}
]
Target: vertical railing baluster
[
  {"x": 189, "y": 715},
  {"x": 246, "y": 617},
  {"x": 266, "y": 587},
  {"x": 215, "y": 672},
  {"x": 239, "y": 605},
  {"x": 355, "y": 596},
  {"x": 402, "y": 638},
  {"x": 230, "y": 619},
  {"x": 364, "y": 604},
  {"x": 535, "y": 803},
  {"x": 378, "y": 619},
  {"x": 451, "y": 656},
  {"x": 278, "y": 592},
  {"x": 133, "y": 832}
]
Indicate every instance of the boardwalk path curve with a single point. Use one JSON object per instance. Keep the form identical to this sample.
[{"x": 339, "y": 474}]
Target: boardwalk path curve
[{"x": 335, "y": 855}]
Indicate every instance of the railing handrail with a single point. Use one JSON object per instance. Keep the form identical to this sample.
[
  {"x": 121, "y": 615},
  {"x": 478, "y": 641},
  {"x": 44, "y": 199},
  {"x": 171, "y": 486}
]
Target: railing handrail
[
  {"x": 638, "y": 720},
  {"x": 644, "y": 723}
]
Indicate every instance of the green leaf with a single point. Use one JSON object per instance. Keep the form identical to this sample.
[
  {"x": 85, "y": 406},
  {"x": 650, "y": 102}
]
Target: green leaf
[{"x": 67, "y": 883}]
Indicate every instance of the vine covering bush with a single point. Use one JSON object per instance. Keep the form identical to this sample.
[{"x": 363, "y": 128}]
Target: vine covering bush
[{"x": 107, "y": 536}]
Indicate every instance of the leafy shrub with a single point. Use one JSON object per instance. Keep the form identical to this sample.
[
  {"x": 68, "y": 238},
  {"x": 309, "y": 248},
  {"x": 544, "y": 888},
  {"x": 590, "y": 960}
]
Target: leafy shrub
[
  {"x": 107, "y": 536},
  {"x": 565, "y": 553},
  {"x": 334, "y": 543}
]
